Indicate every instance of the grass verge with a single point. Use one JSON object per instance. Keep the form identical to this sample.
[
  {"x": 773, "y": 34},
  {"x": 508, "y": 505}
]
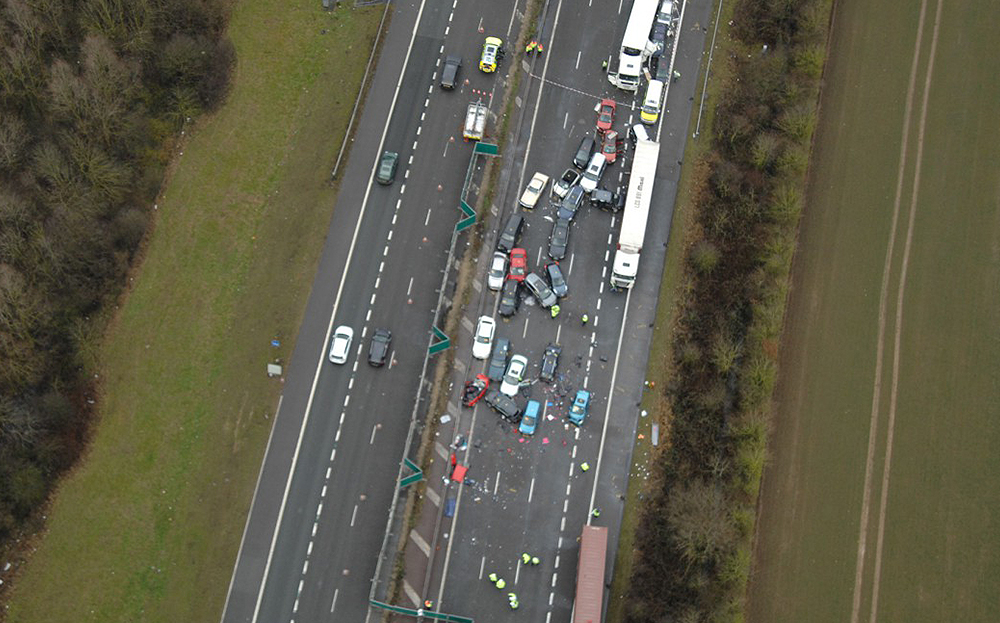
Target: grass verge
[{"x": 148, "y": 525}]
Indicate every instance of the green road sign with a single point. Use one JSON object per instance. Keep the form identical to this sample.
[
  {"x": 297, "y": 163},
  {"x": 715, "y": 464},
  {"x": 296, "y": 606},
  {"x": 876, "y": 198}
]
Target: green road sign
[
  {"x": 427, "y": 614},
  {"x": 416, "y": 476},
  {"x": 442, "y": 344},
  {"x": 487, "y": 149},
  {"x": 470, "y": 216}
]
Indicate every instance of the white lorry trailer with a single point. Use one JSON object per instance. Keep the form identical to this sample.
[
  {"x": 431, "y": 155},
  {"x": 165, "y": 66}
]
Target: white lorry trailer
[
  {"x": 635, "y": 214},
  {"x": 635, "y": 45}
]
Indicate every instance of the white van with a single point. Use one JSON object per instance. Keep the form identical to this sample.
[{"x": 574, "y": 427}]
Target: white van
[{"x": 650, "y": 110}]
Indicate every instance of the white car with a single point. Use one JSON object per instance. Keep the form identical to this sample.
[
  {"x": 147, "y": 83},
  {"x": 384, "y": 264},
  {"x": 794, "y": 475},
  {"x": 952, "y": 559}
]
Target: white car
[
  {"x": 483, "y": 341},
  {"x": 534, "y": 190},
  {"x": 340, "y": 345},
  {"x": 592, "y": 176},
  {"x": 515, "y": 374},
  {"x": 497, "y": 272}
]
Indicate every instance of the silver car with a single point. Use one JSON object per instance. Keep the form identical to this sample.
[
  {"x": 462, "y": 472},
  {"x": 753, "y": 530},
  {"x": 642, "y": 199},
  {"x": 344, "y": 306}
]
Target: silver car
[{"x": 541, "y": 290}]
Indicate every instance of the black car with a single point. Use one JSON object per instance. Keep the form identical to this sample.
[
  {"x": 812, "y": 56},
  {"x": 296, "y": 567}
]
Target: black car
[
  {"x": 583, "y": 152},
  {"x": 510, "y": 298},
  {"x": 449, "y": 73},
  {"x": 511, "y": 233},
  {"x": 571, "y": 203},
  {"x": 556, "y": 279},
  {"x": 504, "y": 405},
  {"x": 498, "y": 360},
  {"x": 559, "y": 239},
  {"x": 604, "y": 199},
  {"x": 550, "y": 361},
  {"x": 378, "y": 350}
]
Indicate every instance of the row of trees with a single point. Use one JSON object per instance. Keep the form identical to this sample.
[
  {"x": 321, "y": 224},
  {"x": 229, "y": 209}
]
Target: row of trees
[
  {"x": 91, "y": 91},
  {"x": 696, "y": 530}
]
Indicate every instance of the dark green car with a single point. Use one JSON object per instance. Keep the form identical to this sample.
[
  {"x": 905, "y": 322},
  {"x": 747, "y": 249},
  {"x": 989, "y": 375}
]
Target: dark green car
[{"x": 387, "y": 168}]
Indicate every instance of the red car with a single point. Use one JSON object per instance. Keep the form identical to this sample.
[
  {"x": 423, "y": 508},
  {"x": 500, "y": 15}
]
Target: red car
[
  {"x": 474, "y": 390},
  {"x": 611, "y": 146},
  {"x": 518, "y": 264},
  {"x": 606, "y": 115}
]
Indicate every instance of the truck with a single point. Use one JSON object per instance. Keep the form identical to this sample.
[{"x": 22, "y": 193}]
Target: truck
[
  {"x": 635, "y": 215},
  {"x": 636, "y": 46},
  {"x": 589, "y": 603},
  {"x": 475, "y": 121}
]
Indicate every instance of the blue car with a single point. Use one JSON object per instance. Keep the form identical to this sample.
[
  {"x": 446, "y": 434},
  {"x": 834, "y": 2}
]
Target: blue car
[
  {"x": 578, "y": 412},
  {"x": 529, "y": 421}
]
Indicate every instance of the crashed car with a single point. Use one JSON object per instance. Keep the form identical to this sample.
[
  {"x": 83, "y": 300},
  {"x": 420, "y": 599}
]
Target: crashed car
[{"x": 474, "y": 390}]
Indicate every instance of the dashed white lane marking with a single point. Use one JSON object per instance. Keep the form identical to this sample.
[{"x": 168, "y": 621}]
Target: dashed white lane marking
[
  {"x": 571, "y": 256},
  {"x": 427, "y": 219},
  {"x": 531, "y": 490},
  {"x": 334, "y": 604},
  {"x": 409, "y": 287},
  {"x": 565, "y": 120},
  {"x": 354, "y": 515},
  {"x": 579, "y": 52},
  {"x": 525, "y": 332},
  {"x": 482, "y": 565},
  {"x": 371, "y": 441}
]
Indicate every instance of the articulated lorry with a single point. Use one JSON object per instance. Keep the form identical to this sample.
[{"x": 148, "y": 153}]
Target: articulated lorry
[
  {"x": 589, "y": 603},
  {"x": 636, "y": 46},
  {"x": 635, "y": 214}
]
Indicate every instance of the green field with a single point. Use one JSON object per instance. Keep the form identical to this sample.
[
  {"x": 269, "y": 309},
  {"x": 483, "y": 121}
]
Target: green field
[
  {"x": 148, "y": 525},
  {"x": 932, "y": 541}
]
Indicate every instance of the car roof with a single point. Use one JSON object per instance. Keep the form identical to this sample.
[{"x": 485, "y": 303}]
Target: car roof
[{"x": 494, "y": 40}]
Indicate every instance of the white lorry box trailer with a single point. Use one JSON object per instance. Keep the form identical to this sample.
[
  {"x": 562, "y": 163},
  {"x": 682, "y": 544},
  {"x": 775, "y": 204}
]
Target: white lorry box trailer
[{"x": 635, "y": 214}]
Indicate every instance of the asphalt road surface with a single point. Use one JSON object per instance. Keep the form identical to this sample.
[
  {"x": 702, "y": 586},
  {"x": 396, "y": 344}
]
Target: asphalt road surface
[{"x": 319, "y": 513}]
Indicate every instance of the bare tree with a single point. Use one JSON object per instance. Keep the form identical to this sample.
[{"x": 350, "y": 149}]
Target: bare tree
[{"x": 698, "y": 516}]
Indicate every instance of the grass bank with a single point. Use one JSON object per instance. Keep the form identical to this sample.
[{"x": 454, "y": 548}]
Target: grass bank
[{"x": 148, "y": 525}]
